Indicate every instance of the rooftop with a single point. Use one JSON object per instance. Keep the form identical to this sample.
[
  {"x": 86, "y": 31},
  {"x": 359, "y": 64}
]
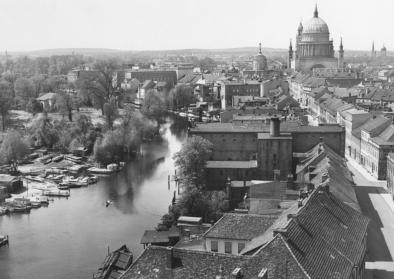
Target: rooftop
[
  {"x": 231, "y": 164},
  {"x": 240, "y": 226}
]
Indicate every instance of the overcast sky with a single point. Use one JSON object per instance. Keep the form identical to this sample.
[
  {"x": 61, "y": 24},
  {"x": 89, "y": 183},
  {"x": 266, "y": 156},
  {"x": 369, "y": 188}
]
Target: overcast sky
[{"x": 177, "y": 24}]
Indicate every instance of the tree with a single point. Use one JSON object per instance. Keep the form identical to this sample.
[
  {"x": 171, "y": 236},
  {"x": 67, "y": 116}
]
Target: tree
[
  {"x": 5, "y": 102},
  {"x": 55, "y": 83},
  {"x": 153, "y": 105},
  {"x": 38, "y": 82},
  {"x": 110, "y": 112},
  {"x": 65, "y": 103},
  {"x": 44, "y": 132},
  {"x": 99, "y": 84},
  {"x": 182, "y": 96},
  {"x": 191, "y": 161},
  {"x": 24, "y": 90},
  {"x": 13, "y": 148}
]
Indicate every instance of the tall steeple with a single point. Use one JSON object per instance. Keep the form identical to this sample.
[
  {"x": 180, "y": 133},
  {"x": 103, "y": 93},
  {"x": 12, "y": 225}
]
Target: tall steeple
[
  {"x": 316, "y": 13},
  {"x": 290, "y": 58},
  {"x": 341, "y": 55},
  {"x": 260, "y": 48},
  {"x": 373, "y": 53}
]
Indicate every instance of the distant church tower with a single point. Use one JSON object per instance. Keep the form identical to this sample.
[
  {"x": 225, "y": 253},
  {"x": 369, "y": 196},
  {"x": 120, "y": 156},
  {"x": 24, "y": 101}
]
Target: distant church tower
[
  {"x": 373, "y": 52},
  {"x": 290, "y": 58},
  {"x": 340, "y": 58},
  {"x": 260, "y": 61},
  {"x": 383, "y": 51}
]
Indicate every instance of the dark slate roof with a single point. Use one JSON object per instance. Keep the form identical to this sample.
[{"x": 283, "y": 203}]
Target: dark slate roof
[
  {"x": 386, "y": 137},
  {"x": 327, "y": 161},
  {"x": 377, "y": 125},
  {"x": 286, "y": 127},
  {"x": 188, "y": 264},
  {"x": 240, "y": 226},
  {"x": 326, "y": 236}
]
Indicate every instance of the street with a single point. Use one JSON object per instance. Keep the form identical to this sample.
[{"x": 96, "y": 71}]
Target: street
[{"x": 376, "y": 204}]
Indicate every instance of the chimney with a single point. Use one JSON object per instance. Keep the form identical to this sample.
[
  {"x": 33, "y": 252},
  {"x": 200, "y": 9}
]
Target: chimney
[
  {"x": 274, "y": 127},
  {"x": 299, "y": 203},
  {"x": 170, "y": 258},
  {"x": 236, "y": 274}
]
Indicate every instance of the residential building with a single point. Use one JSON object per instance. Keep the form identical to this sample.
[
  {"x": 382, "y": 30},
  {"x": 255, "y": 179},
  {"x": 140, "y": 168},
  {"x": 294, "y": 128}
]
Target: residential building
[
  {"x": 390, "y": 173},
  {"x": 376, "y": 143},
  {"x": 233, "y": 231}
]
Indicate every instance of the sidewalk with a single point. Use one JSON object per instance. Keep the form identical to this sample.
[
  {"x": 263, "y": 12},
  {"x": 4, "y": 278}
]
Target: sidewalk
[
  {"x": 365, "y": 173},
  {"x": 360, "y": 174}
]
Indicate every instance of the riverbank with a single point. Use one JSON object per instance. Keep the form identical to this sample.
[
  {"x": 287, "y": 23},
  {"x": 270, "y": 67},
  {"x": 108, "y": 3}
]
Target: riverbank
[{"x": 70, "y": 237}]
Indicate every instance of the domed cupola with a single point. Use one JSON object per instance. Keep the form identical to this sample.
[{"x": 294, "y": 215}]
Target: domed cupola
[
  {"x": 260, "y": 61},
  {"x": 315, "y": 29}
]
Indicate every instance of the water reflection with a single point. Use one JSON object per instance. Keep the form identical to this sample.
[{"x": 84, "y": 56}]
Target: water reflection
[{"x": 69, "y": 239}]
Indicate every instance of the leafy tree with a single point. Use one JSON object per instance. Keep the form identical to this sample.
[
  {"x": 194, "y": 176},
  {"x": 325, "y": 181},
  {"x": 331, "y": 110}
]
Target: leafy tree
[
  {"x": 153, "y": 105},
  {"x": 13, "y": 148},
  {"x": 98, "y": 84},
  {"x": 110, "y": 112},
  {"x": 44, "y": 132},
  {"x": 55, "y": 83},
  {"x": 38, "y": 82},
  {"x": 5, "y": 102},
  {"x": 191, "y": 161},
  {"x": 66, "y": 102},
  {"x": 182, "y": 96},
  {"x": 24, "y": 90}
]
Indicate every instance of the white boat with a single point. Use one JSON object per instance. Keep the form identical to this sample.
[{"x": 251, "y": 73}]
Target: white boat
[
  {"x": 100, "y": 170},
  {"x": 73, "y": 182}
]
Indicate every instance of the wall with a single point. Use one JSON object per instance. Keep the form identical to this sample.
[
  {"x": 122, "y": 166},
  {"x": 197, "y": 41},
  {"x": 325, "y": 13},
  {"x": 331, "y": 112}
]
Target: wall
[
  {"x": 232, "y": 146},
  {"x": 390, "y": 175},
  {"x": 304, "y": 141},
  {"x": 234, "y": 247},
  {"x": 274, "y": 153}
]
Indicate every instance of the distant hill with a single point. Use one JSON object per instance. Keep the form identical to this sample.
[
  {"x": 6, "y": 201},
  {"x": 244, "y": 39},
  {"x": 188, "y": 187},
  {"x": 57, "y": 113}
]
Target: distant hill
[{"x": 198, "y": 52}]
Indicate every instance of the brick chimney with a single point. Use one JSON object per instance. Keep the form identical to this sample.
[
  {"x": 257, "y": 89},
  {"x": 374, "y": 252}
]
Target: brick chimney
[{"x": 275, "y": 127}]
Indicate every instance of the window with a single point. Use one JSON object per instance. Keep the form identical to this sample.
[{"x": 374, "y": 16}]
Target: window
[
  {"x": 227, "y": 247},
  {"x": 241, "y": 246},
  {"x": 214, "y": 246}
]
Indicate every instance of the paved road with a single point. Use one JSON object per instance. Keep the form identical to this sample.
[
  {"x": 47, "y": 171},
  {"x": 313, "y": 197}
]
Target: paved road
[{"x": 380, "y": 243}]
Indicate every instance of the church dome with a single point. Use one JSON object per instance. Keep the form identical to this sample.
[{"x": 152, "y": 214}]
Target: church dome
[{"x": 315, "y": 25}]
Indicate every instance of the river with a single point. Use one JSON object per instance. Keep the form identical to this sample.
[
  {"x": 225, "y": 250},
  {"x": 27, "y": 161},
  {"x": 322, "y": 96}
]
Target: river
[{"x": 70, "y": 237}]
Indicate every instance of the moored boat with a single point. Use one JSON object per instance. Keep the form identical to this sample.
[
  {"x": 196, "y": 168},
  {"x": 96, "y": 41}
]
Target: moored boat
[
  {"x": 57, "y": 193},
  {"x": 100, "y": 170},
  {"x": 4, "y": 240}
]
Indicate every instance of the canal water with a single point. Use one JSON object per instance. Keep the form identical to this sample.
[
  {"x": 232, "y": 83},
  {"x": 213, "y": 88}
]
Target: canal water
[{"x": 70, "y": 237}]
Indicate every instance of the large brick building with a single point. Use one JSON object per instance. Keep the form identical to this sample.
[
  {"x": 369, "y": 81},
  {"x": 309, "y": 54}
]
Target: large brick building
[{"x": 253, "y": 152}]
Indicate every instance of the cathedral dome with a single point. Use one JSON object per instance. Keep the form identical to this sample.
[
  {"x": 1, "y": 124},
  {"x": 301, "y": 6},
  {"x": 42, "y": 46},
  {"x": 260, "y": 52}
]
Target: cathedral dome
[{"x": 315, "y": 25}]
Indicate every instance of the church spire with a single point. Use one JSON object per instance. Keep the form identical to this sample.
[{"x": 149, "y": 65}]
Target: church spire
[
  {"x": 316, "y": 13},
  {"x": 341, "y": 45},
  {"x": 260, "y": 48}
]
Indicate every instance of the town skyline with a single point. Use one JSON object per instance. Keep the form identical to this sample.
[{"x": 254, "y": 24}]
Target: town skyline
[{"x": 198, "y": 25}]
